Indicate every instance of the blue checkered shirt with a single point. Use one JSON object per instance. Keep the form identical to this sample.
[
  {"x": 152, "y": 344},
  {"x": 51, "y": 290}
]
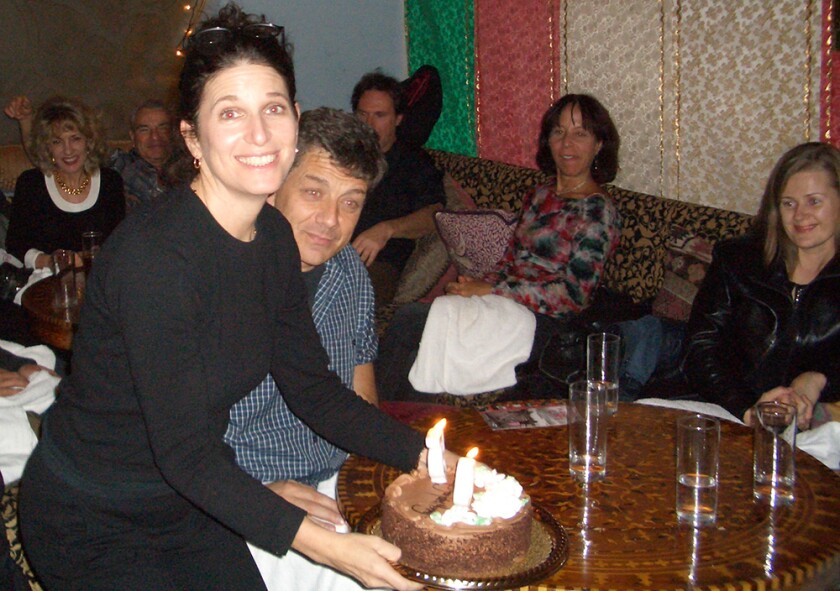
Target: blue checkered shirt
[
  {"x": 139, "y": 177},
  {"x": 270, "y": 442}
]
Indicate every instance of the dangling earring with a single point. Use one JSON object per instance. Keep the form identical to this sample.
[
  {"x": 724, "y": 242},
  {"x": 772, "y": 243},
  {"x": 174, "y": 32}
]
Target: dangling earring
[{"x": 197, "y": 163}]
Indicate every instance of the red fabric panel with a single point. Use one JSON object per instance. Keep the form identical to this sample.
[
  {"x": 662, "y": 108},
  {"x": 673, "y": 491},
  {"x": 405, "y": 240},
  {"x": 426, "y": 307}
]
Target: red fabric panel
[{"x": 518, "y": 59}]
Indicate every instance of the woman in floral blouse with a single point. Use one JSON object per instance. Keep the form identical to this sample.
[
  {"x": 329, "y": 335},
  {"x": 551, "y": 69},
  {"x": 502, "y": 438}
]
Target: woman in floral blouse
[
  {"x": 569, "y": 227},
  {"x": 567, "y": 230}
]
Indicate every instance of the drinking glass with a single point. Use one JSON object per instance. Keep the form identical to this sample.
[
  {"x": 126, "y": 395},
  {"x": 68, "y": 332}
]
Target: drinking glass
[
  {"x": 587, "y": 416},
  {"x": 603, "y": 353},
  {"x": 698, "y": 458},
  {"x": 774, "y": 442},
  {"x": 63, "y": 265},
  {"x": 91, "y": 243}
]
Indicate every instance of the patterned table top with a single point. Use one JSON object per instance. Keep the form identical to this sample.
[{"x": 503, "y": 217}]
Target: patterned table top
[{"x": 623, "y": 532}]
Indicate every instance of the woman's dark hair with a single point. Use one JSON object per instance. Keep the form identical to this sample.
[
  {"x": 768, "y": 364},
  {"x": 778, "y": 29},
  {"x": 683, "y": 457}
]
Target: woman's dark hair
[
  {"x": 597, "y": 121},
  {"x": 767, "y": 224},
  {"x": 200, "y": 65}
]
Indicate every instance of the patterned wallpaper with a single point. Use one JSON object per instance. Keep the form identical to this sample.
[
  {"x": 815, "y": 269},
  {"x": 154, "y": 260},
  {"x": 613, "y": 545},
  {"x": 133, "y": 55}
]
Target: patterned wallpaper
[
  {"x": 744, "y": 75},
  {"x": 111, "y": 55}
]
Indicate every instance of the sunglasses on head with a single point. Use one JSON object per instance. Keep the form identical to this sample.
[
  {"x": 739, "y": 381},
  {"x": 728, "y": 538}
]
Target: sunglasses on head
[{"x": 217, "y": 39}]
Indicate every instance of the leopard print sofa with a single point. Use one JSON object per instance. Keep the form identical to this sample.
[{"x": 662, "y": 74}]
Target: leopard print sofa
[{"x": 637, "y": 267}]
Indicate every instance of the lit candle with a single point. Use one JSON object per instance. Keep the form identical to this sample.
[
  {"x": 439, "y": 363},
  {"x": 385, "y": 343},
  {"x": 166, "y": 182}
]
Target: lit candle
[
  {"x": 464, "y": 476},
  {"x": 434, "y": 457}
]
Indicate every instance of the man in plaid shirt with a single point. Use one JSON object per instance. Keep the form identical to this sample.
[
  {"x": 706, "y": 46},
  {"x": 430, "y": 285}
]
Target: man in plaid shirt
[{"x": 338, "y": 161}]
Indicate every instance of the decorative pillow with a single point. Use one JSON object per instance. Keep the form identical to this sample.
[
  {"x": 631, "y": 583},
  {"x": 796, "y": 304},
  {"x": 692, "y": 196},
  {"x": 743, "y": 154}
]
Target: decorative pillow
[
  {"x": 475, "y": 240},
  {"x": 686, "y": 260},
  {"x": 427, "y": 270}
]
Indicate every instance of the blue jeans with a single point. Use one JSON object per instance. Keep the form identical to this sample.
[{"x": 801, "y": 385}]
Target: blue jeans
[{"x": 651, "y": 345}]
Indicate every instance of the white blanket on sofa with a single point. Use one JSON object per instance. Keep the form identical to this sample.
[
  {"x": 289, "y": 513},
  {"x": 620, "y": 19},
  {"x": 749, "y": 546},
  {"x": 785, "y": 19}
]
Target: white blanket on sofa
[{"x": 472, "y": 345}]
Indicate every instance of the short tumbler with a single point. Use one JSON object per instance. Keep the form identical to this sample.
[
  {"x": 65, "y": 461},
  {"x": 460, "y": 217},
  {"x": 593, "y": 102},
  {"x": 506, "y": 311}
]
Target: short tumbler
[
  {"x": 587, "y": 418},
  {"x": 774, "y": 442},
  {"x": 698, "y": 453}
]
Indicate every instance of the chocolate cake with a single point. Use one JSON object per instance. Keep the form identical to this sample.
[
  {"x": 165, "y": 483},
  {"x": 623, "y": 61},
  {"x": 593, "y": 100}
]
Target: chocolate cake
[{"x": 489, "y": 537}]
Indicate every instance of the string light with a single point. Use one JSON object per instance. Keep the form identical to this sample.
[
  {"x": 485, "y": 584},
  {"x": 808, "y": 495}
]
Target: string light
[{"x": 195, "y": 11}]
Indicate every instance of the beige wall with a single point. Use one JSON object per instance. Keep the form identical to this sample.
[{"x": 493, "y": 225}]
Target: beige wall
[
  {"x": 737, "y": 70},
  {"x": 112, "y": 55}
]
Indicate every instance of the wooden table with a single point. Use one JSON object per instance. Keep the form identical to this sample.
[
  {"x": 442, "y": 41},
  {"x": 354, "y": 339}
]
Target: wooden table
[
  {"x": 52, "y": 325},
  {"x": 623, "y": 532}
]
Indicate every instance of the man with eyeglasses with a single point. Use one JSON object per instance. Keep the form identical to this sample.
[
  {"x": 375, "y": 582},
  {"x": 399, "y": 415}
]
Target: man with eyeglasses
[{"x": 141, "y": 167}]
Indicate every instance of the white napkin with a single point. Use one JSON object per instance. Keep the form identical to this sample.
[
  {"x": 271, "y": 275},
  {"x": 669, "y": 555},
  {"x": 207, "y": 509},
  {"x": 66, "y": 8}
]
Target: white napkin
[
  {"x": 5, "y": 257},
  {"x": 823, "y": 443},
  {"x": 706, "y": 408},
  {"x": 17, "y": 440},
  {"x": 472, "y": 345},
  {"x": 40, "y": 354},
  {"x": 36, "y": 276}
]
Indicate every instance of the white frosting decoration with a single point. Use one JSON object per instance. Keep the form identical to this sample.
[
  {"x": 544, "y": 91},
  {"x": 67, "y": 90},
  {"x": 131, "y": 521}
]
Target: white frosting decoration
[{"x": 500, "y": 499}]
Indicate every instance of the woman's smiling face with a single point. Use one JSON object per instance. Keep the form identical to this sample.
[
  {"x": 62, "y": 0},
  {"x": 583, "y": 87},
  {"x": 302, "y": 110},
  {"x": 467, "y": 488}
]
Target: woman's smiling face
[
  {"x": 247, "y": 131},
  {"x": 810, "y": 211},
  {"x": 573, "y": 147}
]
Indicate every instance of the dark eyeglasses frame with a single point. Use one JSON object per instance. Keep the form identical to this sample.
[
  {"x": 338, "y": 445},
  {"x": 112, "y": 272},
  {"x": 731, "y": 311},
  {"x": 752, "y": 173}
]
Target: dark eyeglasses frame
[{"x": 216, "y": 39}]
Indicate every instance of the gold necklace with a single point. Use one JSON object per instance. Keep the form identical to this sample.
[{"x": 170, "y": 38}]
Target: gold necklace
[
  {"x": 573, "y": 189},
  {"x": 70, "y": 190}
]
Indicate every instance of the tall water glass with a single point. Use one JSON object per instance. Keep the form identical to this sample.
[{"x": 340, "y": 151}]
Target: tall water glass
[
  {"x": 698, "y": 460},
  {"x": 91, "y": 243},
  {"x": 63, "y": 265},
  {"x": 587, "y": 417},
  {"x": 774, "y": 443},
  {"x": 603, "y": 354}
]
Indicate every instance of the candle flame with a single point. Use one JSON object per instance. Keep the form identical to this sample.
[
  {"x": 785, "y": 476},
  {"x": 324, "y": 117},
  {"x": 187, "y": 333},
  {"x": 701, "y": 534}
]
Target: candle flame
[
  {"x": 472, "y": 453},
  {"x": 439, "y": 426}
]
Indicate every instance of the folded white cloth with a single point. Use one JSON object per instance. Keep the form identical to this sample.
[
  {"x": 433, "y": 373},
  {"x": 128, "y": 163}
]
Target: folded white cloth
[
  {"x": 36, "y": 276},
  {"x": 472, "y": 345},
  {"x": 40, "y": 354},
  {"x": 17, "y": 440},
  {"x": 5, "y": 257},
  {"x": 823, "y": 442},
  {"x": 706, "y": 408}
]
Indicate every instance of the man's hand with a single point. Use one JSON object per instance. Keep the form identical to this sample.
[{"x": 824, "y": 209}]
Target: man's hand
[
  {"x": 19, "y": 108},
  {"x": 371, "y": 241},
  {"x": 466, "y": 287},
  {"x": 12, "y": 382},
  {"x": 322, "y": 509}
]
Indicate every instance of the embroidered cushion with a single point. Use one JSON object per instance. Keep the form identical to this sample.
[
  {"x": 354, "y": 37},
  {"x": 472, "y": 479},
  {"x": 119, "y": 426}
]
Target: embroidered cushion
[
  {"x": 476, "y": 240},
  {"x": 429, "y": 269},
  {"x": 687, "y": 259}
]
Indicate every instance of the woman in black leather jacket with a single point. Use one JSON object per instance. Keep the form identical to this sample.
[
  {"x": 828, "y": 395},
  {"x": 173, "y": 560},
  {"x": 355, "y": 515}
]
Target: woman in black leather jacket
[{"x": 765, "y": 324}]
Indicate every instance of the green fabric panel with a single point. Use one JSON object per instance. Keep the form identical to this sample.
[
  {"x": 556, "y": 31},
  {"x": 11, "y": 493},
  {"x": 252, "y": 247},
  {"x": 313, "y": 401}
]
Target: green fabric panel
[{"x": 442, "y": 33}]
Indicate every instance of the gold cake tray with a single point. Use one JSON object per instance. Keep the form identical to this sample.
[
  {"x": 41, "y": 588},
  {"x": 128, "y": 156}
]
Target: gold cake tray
[{"x": 547, "y": 553}]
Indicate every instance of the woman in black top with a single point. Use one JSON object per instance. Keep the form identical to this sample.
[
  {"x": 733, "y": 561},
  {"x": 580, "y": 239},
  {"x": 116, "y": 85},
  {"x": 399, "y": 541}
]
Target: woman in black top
[
  {"x": 69, "y": 193},
  {"x": 765, "y": 324},
  {"x": 192, "y": 301}
]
